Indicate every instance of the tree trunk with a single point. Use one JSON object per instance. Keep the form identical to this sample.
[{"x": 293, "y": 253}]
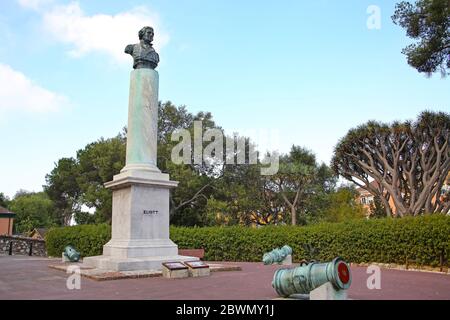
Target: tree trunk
[
  {"x": 293, "y": 216},
  {"x": 387, "y": 206}
]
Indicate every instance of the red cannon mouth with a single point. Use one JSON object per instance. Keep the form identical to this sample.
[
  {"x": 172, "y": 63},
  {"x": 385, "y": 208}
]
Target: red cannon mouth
[{"x": 343, "y": 272}]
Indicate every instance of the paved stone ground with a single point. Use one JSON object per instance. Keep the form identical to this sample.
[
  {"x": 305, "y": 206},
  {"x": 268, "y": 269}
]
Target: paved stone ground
[{"x": 30, "y": 278}]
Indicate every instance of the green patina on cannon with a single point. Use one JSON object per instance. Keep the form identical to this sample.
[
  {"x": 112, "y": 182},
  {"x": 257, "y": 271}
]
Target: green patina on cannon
[
  {"x": 72, "y": 254},
  {"x": 309, "y": 276},
  {"x": 277, "y": 255}
]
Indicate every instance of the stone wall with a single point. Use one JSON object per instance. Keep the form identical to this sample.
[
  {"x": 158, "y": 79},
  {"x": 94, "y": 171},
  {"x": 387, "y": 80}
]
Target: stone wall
[{"x": 22, "y": 246}]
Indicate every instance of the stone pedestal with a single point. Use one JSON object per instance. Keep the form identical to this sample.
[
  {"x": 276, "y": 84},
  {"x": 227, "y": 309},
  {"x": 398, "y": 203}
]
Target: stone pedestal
[
  {"x": 328, "y": 292},
  {"x": 287, "y": 261},
  {"x": 175, "y": 274},
  {"x": 199, "y": 272},
  {"x": 140, "y": 207},
  {"x": 64, "y": 258}
]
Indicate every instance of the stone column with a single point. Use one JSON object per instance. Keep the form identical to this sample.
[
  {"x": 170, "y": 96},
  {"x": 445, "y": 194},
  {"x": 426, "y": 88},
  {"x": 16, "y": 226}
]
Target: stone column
[{"x": 142, "y": 121}]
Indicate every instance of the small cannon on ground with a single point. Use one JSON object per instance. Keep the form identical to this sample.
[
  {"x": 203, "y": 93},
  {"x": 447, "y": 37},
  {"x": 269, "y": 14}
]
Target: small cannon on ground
[
  {"x": 308, "y": 277},
  {"x": 277, "y": 255},
  {"x": 71, "y": 254}
]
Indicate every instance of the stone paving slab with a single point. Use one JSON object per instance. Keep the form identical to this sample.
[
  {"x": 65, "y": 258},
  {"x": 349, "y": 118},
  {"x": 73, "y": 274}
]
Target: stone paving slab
[
  {"x": 102, "y": 275},
  {"x": 31, "y": 278},
  {"x": 414, "y": 268}
]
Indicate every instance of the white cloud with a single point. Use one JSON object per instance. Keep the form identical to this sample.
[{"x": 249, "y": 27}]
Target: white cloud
[
  {"x": 103, "y": 33},
  {"x": 34, "y": 4},
  {"x": 17, "y": 92}
]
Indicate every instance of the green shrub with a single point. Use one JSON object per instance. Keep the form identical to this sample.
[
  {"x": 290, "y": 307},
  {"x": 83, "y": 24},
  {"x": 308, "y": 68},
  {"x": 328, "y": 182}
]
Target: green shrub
[
  {"x": 420, "y": 240},
  {"x": 87, "y": 239}
]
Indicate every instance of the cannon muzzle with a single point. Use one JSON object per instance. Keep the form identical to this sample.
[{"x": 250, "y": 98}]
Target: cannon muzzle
[
  {"x": 277, "y": 255},
  {"x": 306, "y": 278},
  {"x": 72, "y": 254}
]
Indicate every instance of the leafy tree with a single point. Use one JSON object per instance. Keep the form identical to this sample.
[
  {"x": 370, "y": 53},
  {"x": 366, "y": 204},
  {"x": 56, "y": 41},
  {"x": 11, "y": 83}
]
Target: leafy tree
[
  {"x": 429, "y": 22},
  {"x": 33, "y": 210},
  {"x": 97, "y": 163},
  {"x": 341, "y": 206},
  {"x": 299, "y": 180},
  {"x": 4, "y": 200},
  {"x": 82, "y": 217},
  {"x": 377, "y": 209},
  {"x": 218, "y": 213},
  {"x": 63, "y": 189},
  {"x": 241, "y": 197},
  {"x": 75, "y": 183},
  {"x": 196, "y": 181},
  {"x": 189, "y": 199},
  {"x": 408, "y": 162},
  {"x": 260, "y": 206},
  {"x": 323, "y": 188},
  {"x": 172, "y": 118}
]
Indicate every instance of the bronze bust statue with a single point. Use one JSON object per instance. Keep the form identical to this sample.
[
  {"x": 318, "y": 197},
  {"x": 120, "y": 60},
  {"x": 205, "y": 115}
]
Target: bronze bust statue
[{"x": 143, "y": 53}]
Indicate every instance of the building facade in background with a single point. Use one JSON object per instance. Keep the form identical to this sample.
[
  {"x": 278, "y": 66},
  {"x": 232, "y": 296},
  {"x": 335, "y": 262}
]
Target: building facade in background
[{"x": 6, "y": 221}]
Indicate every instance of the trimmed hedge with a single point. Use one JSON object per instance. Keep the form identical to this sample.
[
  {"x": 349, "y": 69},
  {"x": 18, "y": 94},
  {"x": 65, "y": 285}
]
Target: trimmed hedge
[
  {"x": 87, "y": 239},
  {"x": 421, "y": 240}
]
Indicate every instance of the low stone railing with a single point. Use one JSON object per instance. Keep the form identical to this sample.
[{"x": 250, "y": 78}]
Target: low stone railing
[{"x": 17, "y": 245}]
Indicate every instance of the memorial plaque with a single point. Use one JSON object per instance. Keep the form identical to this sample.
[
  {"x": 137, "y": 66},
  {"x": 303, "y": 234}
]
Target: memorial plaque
[
  {"x": 174, "y": 265},
  {"x": 196, "y": 264}
]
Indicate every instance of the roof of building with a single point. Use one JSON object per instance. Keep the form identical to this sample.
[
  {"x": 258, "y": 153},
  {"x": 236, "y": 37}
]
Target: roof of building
[
  {"x": 4, "y": 211},
  {"x": 40, "y": 231}
]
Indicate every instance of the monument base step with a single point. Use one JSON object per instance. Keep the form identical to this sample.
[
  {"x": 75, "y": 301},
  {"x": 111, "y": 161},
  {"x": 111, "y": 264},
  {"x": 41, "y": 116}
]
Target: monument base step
[
  {"x": 132, "y": 264},
  {"x": 105, "y": 275}
]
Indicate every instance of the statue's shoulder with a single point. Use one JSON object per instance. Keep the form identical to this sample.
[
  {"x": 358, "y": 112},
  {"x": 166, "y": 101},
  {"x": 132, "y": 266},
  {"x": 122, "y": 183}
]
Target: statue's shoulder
[{"x": 129, "y": 48}]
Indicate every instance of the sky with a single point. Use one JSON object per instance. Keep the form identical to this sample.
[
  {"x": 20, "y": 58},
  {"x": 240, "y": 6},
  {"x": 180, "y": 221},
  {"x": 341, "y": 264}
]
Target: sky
[{"x": 303, "y": 72}]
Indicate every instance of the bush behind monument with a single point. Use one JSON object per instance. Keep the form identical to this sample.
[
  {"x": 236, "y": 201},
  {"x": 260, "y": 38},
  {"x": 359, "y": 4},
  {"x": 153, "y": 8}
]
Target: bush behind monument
[{"x": 423, "y": 240}]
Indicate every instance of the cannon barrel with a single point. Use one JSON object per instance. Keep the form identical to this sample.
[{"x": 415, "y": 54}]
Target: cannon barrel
[
  {"x": 306, "y": 278},
  {"x": 72, "y": 254},
  {"x": 277, "y": 255}
]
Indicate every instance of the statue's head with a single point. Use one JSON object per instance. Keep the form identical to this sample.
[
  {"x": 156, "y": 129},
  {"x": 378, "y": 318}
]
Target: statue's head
[{"x": 146, "y": 34}]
